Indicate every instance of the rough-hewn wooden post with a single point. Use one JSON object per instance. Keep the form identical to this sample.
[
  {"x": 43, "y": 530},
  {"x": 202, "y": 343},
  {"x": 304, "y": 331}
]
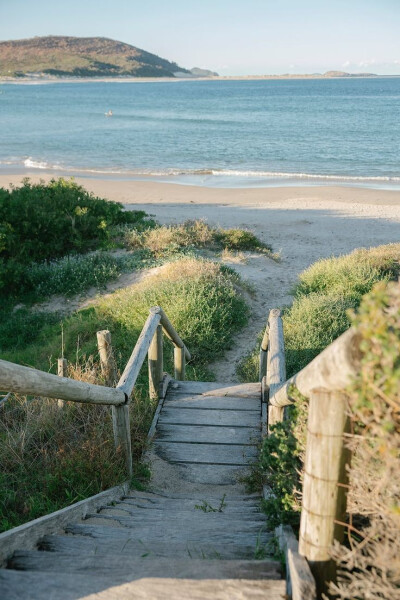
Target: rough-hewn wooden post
[
  {"x": 179, "y": 363},
  {"x": 122, "y": 433},
  {"x": 107, "y": 360},
  {"x": 120, "y": 414},
  {"x": 325, "y": 482},
  {"x": 276, "y": 367},
  {"x": 62, "y": 368},
  {"x": 262, "y": 368},
  {"x": 156, "y": 366}
]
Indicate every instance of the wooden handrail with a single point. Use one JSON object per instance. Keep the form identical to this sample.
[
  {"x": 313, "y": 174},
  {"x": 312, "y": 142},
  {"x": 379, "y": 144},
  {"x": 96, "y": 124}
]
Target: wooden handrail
[
  {"x": 170, "y": 331},
  {"x": 134, "y": 364},
  {"x": 26, "y": 380},
  {"x": 327, "y": 458},
  {"x": 333, "y": 369}
]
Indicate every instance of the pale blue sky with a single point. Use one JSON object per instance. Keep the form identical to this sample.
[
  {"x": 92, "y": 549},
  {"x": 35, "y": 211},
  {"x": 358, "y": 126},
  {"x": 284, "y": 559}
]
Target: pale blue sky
[{"x": 230, "y": 36}]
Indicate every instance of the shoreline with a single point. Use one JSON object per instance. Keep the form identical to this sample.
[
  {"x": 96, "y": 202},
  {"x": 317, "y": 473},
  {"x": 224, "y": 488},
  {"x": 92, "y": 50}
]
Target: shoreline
[
  {"x": 150, "y": 191},
  {"x": 207, "y": 178},
  {"x": 48, "y": 80}
]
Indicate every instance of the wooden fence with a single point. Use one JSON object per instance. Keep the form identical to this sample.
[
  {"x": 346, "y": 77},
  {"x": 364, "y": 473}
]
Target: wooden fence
[
  {"x": 325, "y": 483},
  {"x": 117, "y": 394}
]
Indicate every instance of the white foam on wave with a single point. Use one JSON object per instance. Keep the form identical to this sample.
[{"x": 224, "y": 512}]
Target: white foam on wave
[
  {"x": 31, "y": 163},
  {"x": 273, "y": 174}
]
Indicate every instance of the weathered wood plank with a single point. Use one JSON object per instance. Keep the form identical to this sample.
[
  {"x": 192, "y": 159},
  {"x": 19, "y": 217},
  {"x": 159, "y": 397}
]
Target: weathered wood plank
[
  {"x": 212, "y": 402},
  {"x": 26, "y": 536},
  {"x": 211, "y": 474},
  {"x": 299, "y": 580},
  {"x": 138, "y": 508},
  {"x": 226, "y": 418},
  {"x": 213, "y": 388},
  {"x": 213, "y": 533},
  {"x": 71, "y": 586},
  {"x": 132, "y": 547},
  {"x": 302, "y": 581},
  {"x": 207, "y": 434},
  {"x": 160, "y": 567},
  {"x": 212, "y": 454}
]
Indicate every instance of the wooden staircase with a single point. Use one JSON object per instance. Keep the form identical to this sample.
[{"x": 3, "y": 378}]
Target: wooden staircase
[{"x": 208, "y": 540}]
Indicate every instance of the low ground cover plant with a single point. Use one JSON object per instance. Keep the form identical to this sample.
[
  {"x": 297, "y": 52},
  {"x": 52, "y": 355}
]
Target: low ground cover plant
[{"x": 51, "y": 457}]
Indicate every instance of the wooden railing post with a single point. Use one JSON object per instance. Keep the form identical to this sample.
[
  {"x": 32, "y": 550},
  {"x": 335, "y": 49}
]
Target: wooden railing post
[
  {"x": 262, "y": 368},
  {"x": 179, "y": 363},
  {"x": 120, "y": 414},
  {"x": 62, "y": 368},
  {"x": 325, "y": 482},
  {"x": 276, "y": 367},
  {"x": 107, "y": 360},
  {"x": 122, "y": 433},
  {"x": 156, "y": 365}
]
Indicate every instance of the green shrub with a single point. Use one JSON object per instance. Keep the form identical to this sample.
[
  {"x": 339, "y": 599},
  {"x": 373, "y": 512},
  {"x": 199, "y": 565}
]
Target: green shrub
[
  {"x": 40, "y": 222},
  {"x": 239, "y": 239}
]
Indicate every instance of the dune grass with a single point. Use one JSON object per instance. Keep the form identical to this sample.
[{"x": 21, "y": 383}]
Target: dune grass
[
  {"x": 51, "y": 458},
  {"x": 327, "y": 294},
  {"x": 168, "y": 239}
]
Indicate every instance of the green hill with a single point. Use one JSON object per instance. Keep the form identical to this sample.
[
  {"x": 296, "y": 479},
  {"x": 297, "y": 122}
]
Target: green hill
[{"x": 81, "y": 57}]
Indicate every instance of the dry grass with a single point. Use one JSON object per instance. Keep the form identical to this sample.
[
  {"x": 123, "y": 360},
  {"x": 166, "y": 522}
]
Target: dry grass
[{"x": 167, "y": 239}]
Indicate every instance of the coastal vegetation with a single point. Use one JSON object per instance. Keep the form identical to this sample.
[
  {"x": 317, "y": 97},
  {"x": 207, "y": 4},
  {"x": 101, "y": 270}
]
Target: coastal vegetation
[
  {"x": 53, "y": 456},
  {"x": 330, "y": 296}
]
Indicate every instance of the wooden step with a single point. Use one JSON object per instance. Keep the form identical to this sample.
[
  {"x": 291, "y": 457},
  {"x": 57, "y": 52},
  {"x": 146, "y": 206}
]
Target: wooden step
[
  {"x": 205, "y": 434},
  {"x": 221, "y": 418},
  {"x": 148, "y": 566},
  {"x": 242, "y": 390},
  {"x": 180, "y": 400},
  {"x": 128, "y": 545},
  {"x": 33, "y": 585}
]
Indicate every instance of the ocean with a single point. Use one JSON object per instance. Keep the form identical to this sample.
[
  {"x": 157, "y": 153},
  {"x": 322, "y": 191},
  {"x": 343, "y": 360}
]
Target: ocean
[{"x": 213, "y": 133}]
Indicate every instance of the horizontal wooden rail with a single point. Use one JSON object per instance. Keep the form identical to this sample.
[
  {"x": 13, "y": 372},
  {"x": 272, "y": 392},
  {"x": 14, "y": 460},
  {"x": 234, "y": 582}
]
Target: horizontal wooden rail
[
  {"x": 26, "y": 380},
  {"x": 132, "y": 369},
  {"x": 170, "y": 331},
  {"x": 331, "y": 370}
]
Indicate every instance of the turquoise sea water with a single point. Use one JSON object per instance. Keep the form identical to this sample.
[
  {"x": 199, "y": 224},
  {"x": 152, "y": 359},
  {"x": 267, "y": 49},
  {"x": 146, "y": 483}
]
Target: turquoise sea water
[{"x": 222, "y": 133}]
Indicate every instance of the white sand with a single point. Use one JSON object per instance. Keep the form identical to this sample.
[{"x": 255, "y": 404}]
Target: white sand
[{"x": 303, "y": 223}]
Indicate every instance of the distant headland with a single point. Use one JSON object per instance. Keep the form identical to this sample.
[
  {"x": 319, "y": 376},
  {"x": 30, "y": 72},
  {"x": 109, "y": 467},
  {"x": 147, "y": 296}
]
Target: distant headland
[
  {"x": 64, "y": 58},
  {"x": 94, "y": 57}
]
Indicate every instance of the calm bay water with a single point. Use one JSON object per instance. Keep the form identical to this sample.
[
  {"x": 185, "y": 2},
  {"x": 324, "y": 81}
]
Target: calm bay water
[{"x": 227, "y": 133}]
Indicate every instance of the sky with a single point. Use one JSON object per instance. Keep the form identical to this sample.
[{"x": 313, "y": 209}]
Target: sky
[{"x": 232, "y": 37}]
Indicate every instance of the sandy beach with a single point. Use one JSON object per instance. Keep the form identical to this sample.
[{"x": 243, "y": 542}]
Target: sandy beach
[{"x": 303, "y": 224}]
